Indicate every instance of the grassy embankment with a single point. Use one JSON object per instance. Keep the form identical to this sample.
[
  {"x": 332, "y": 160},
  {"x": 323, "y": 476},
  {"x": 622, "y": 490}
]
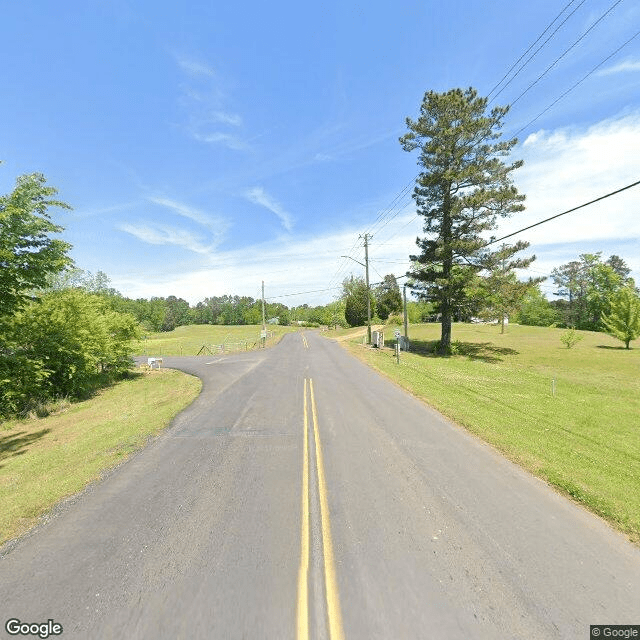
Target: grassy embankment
[
  {"x": 189, "y": 340},
  {"x": 45, "y": 460},
  {"x": 584, "y": 440}
]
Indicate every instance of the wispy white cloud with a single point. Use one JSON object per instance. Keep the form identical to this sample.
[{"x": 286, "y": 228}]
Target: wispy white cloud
[
  {"x": 259, "y": 196},
  {"x": 166, "y": 235},
  {"x": 194, "y": 67},
  {"x": 205, "y": 105},
  {"x": 625, "y": 66},
  {"x": 218, "y": 137},
  {"x": 232, "y": 119},
  {"x": 349, "y": 147},
  {"x": 216, "y": 224}
]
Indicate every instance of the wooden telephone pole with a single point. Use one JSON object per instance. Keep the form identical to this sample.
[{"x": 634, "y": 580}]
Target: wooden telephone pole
[{"x": 366, "y": 262}]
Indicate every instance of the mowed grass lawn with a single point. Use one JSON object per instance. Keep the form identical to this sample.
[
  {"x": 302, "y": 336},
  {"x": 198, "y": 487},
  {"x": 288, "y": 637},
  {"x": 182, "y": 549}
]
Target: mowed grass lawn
[
  {"x": 189, "y": 340},
  {"x": 584, "y": 440},
  {"x": 45, "y": 460}
]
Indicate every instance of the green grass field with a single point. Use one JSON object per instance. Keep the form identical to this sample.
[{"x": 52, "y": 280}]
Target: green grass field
[
  {"x": 189, "y": 340},
  {"x": 45, "y": 460},
  {"x": 584, "y": 439}
]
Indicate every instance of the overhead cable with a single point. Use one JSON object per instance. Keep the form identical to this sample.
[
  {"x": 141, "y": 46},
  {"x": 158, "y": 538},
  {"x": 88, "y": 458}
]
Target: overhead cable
[
  {"x": 564, "y": 53},
  {"x": 531, "y": 47},
  {"x": 633, "y": 37}
]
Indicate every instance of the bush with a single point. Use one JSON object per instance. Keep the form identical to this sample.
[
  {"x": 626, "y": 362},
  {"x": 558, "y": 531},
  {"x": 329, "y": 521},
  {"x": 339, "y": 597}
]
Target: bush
[
  {"x": 536, "y": 310},
  {"x": 23, "y": 384},
  {"x": 395, "y": 318},
  {"x": 570, "y": 338},
  {"x": 67, "y": 344}
]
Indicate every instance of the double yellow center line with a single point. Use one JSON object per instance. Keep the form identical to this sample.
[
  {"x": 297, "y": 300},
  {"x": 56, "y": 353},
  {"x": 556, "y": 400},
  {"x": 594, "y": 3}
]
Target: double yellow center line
[
  {"x": 304, "y": 342},
  {"x": 334, "y": 617}
]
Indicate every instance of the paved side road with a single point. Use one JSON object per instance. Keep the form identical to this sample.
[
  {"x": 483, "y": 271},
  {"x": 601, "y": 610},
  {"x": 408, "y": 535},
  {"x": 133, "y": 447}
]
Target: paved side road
[{"x": 304, "y": 496}]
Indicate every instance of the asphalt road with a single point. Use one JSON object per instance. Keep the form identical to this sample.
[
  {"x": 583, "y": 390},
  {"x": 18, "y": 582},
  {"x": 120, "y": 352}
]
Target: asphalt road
[{"x": 304, "y": 496}]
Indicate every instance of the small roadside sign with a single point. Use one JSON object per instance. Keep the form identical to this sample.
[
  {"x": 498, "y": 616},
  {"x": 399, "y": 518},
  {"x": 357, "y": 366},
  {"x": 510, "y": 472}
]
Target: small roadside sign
[{"x": 396, "y": 333}]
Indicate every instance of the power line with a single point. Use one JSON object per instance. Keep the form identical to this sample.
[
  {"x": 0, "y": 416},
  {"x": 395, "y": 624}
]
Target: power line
[
  {"x": 343, "y": 262},
  {"x": 301, "y": 293},
  {"x": 392, "y": 261},
  {"x": 537, "y": 50},
  {"x": 397, "y": 213},
  {"x": 403, "y": 193},
  {"x": 581, "y": 206},
  {"x": 394, "y": 204},
  {"x": 381, "y": 244},
  {"x": 492, "y": 241},
  {"x": 564, "y": 53},
  {"x": 633, "y": 37}
]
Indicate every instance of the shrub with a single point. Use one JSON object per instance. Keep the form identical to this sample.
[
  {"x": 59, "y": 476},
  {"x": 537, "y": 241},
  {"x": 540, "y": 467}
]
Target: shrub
[
  {"x": 67, "y": 344},
  {"x": 570, "y": 338},
  {"x": 395, "y": 318}
]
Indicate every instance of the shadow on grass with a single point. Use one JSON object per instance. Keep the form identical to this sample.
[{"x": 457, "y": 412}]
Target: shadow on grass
[
  {"x": 484, "y": 351},
  {"x": 16, "y": 444},
  {"x": 606, "y": 346},
  {"x": 105, "y": 381}
]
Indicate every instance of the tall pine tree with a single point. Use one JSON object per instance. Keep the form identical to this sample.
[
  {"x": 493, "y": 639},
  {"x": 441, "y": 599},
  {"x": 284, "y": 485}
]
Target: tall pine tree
[{"x": 462, "y": 190}]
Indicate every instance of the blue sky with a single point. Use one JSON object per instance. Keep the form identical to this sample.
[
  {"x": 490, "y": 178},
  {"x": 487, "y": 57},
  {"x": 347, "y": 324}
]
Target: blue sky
[{"x": 206, "y": 146}]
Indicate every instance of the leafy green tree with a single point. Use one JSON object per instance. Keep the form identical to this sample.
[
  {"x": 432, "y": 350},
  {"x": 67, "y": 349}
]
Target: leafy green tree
[
  {"x": 252, "y": 315},
  {"x": 176, "y": 313},
  {"x": 419, "y": 311},
  {"x": 284, "y": 318},
  {"x": 536, "y": 310},
  {"x": 568, "y": 279},
  {"x": 355, "y": 297},
  {"x": 619, "y": 266},
  {"x": 71, "y": 277},
  {"x": 28, "y": 253},
  {"x": 316, "y": 315},
  {"x": 463, "y": 188},
  {"x": 623, "y": 320},
  {"x": 23, "y": 380},
  {"x": 334, "y": 314},
  {"x": 590, "y": 284},
  {"x": 201, "y": 314},
  {"x": 300, "y": 313},
  {"x": 64, "y": 345},
  {"x": 388, "y": 297},
  {"x": 502, "y": 292}
]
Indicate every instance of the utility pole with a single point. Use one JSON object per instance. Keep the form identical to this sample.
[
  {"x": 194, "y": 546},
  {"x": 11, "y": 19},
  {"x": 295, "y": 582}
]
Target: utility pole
[
  {"x": 264, "y": 325},
  {"x": 366, "y": 262},
  {"x": 366, "y": 237},
  {"x": 406, "y": 323}
]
